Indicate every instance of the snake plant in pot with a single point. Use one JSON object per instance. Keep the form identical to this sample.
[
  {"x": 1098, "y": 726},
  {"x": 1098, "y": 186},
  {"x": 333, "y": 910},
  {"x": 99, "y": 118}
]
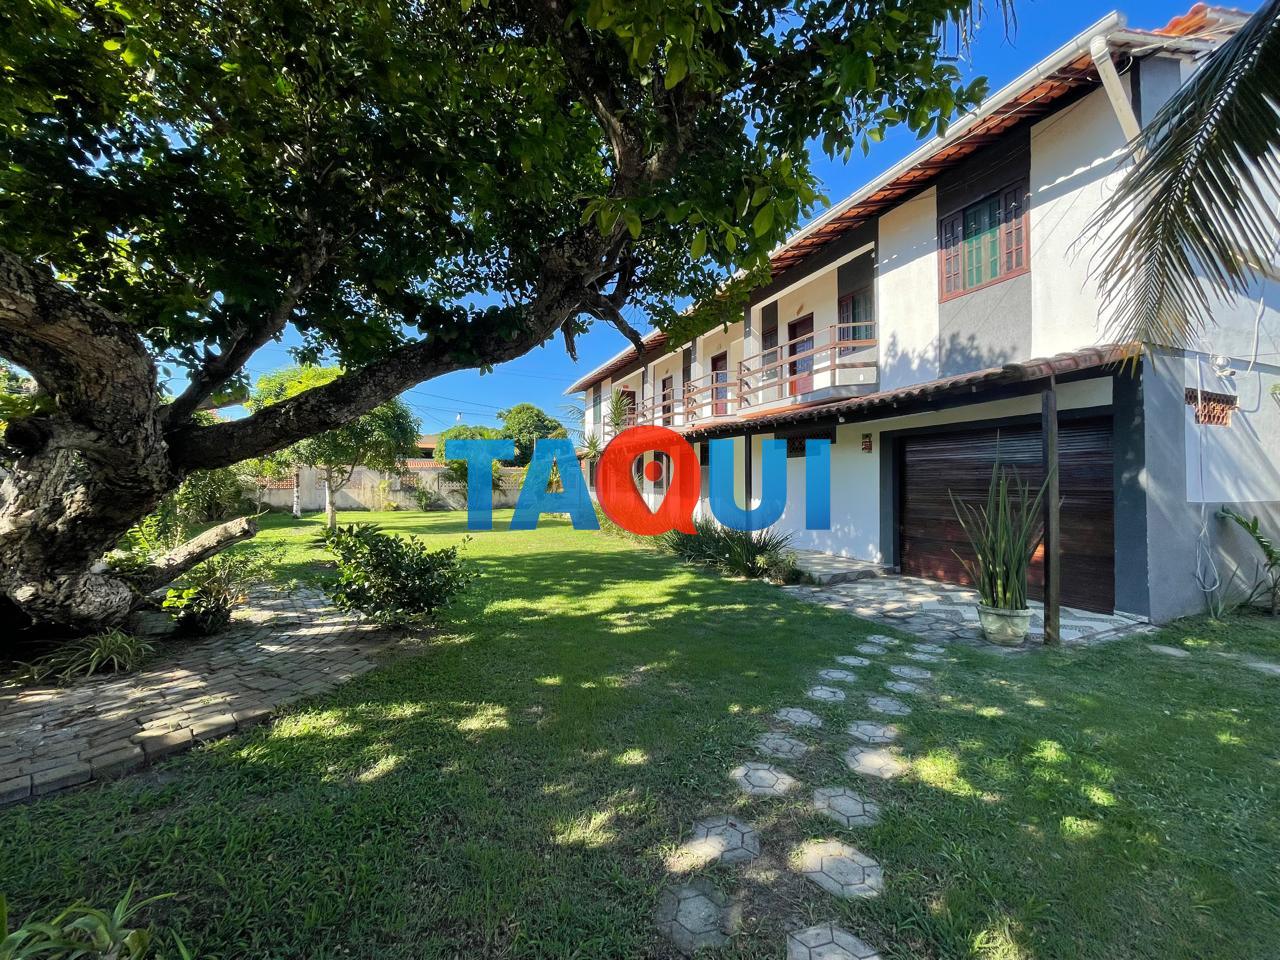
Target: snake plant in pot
[{"x": 1003, "y": 534}]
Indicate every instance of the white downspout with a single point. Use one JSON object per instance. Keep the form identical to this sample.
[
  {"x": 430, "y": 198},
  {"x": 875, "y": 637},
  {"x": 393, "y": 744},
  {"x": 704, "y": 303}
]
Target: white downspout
[{"x": 1120, "y": 101}]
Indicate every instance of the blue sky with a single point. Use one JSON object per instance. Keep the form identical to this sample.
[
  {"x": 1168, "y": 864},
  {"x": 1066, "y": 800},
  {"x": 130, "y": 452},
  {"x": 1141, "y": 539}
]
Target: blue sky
[{"x": 541, "y": 376}]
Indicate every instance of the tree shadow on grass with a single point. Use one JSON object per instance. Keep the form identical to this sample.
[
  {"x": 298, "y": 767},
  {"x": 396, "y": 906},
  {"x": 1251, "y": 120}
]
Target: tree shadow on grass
[{"x": 516, "y": 791}]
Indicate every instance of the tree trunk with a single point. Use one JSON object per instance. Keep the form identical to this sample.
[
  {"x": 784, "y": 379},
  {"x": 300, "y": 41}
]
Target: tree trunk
[
  {"x": 297, "y": 493},
  {"x": 330, "y": 514}
]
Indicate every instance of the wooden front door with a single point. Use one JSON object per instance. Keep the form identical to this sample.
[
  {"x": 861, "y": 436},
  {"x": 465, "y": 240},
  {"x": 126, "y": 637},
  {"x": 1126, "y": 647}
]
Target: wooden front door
[
  {"x": 960, "y": 461},
  {"x": 719, "y": 394},
  {"x": 668, "y": 400},
  {"x": 800, "y": 341}
]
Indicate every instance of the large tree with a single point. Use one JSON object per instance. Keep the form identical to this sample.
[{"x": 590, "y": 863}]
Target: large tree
[{"x": 182, "y": 182}]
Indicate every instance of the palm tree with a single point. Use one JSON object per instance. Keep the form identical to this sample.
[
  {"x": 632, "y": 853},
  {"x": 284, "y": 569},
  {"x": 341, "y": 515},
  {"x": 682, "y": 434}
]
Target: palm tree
[{"x": 1195, "y": 220}]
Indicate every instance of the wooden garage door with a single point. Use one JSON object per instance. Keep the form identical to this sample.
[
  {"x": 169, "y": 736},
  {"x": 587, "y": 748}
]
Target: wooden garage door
[{"x": 961, "y": 462}]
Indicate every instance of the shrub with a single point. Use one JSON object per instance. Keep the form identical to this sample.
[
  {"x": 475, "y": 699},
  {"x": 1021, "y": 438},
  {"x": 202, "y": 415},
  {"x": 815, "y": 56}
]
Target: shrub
[
  {"x": 81, "y": 933},
  {"x": 744, "y": 553},
  {"x": 783, "y": 569},
  {"x": 750, "y": 553},
  {"x": 202, "y": 601},
  {"x": 428, "y": 499},
  {"x": 112, "y": 651},
  {"x": 393, "y": 580}
]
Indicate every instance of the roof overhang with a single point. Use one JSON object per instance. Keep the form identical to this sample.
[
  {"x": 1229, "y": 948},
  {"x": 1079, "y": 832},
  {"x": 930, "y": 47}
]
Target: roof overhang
[
  {"x": 1067, "y": 72},
  {"x": 976, "y": 387}
]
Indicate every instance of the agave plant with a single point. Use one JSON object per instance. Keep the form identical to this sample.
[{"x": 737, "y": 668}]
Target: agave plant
[
  {"x": 1199, "y": 203},
  {"x": 1003, "y": 533}
]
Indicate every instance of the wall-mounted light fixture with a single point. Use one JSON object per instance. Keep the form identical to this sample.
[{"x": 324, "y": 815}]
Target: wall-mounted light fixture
[{"x": 866, "y": 443}]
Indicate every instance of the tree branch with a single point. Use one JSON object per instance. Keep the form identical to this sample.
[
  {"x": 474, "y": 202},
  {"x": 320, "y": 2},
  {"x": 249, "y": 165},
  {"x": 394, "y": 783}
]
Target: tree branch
[
  {"x": 219, "y": 368},
  {"x": 182, "y": 558}
]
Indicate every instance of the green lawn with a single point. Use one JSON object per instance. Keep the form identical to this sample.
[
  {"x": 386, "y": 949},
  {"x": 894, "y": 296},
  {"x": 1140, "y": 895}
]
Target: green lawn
[{"x": 514, "y": 789}]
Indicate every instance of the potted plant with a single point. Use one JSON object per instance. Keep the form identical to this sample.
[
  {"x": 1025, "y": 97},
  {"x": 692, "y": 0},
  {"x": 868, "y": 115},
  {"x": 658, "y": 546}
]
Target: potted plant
[{"x": 1003, "y": 535}]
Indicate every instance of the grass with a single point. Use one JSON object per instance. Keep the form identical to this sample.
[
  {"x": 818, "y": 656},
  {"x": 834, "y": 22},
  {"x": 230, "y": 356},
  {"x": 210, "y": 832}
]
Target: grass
[{"x": 516, "y": 788}]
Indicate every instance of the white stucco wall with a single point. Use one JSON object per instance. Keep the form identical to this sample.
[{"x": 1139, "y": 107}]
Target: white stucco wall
[
  {"x": 907, "y": 292},
  {"x": 1074, "y": 168},
  {"x": 1239, "y": 463}
]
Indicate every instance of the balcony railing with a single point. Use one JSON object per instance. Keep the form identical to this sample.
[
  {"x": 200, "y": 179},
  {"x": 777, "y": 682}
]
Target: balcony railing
[
  {"x": 791, "y": 369},
  {"x": 794, "y": 368},
  {"x": 709, "y": 396}
]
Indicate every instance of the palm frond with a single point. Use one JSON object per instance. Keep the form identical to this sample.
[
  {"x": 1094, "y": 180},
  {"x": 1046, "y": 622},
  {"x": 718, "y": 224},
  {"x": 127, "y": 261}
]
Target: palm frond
[{"x": 1195, "y": 219}]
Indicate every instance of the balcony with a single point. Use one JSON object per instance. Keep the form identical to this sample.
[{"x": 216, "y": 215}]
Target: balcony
[
  {"x": 709, "y": 397},
  {"x": 808, "y": 363},
  {"x": 664, "y": 410}
]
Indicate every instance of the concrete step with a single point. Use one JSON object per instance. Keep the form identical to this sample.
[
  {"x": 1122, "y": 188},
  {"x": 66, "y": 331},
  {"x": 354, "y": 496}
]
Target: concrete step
[{"x": 827, "y": 569}]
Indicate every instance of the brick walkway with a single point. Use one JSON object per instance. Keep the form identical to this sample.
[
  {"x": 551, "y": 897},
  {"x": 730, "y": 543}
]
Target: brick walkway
[{"x": 280, "y": 648}]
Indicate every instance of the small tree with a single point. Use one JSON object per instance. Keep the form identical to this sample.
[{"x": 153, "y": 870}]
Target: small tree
[
  {"x": 379, "y": 440},
  {"x": 266, "y": 470},
  {"x": 456, "y": 470},
  {"x": 526, "y": 424}
]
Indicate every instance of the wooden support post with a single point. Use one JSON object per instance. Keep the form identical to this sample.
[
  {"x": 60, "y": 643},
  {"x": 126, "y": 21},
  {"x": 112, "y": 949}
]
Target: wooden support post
[{"x": 1051, "y": 507}]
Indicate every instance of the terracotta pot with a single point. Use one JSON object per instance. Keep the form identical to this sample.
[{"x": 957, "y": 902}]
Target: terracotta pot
[{"x": 1006, "y": 628}]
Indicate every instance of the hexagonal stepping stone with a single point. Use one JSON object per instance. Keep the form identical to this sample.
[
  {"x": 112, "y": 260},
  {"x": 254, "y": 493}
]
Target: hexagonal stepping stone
[
  {"x": 696, "y": 916},
  {"x": 883, "y": 640},
  {"x": 846, "y": 807},
  {"x": 826, "y": 941},
  {"x": 894, "y": 708},
  {"x": 720, "y": 839},
  {"x": 910, "y": 673},
  {"x": 781, "y": 746},
  {"x": 837, "y": 676},
  {"x": 904, "y": 686},
  {"x": 1177, "y": 652},
  {"x": 873, "y": 732},
  {"x": 798, "y": 717},
  {"x": 928, "y": 648},
  {"x": 825, "y": 694},
  {"x": 838, "y": 868},
  {"x": 874, "y": 762},
  {"x": 757, "y": 779},
  {"x": 922, "y": 657},
  {"x": 871, "y": 648},
  {"x": 854, "y": 661}
]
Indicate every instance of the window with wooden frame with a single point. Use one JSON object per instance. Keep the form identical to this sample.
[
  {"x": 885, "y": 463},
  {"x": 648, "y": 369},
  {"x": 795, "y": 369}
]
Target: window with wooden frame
[
  {"x": 984, "y": 243},
  {"x": 855, "y": 320}
]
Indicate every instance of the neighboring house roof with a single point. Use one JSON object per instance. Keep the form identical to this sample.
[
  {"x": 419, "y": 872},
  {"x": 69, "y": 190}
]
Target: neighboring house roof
[
  {"x": 421, "y": 463},
  {"x": 427, "y": 441},
  {"x": 871, "y": 405},
  {"x": 1036, "y": 93}
]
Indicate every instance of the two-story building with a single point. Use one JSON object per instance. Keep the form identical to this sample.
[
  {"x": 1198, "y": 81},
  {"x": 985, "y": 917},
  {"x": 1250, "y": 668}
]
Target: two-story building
[{"x": 918, "y": 323}]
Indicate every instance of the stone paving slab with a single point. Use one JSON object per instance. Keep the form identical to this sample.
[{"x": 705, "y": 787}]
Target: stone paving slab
[
  {"x": 944, "y": 613},
  {"x": 838, "y": 868},
  {"x": 281, "y": 647},
  {"x": 828, "y": 942}
]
